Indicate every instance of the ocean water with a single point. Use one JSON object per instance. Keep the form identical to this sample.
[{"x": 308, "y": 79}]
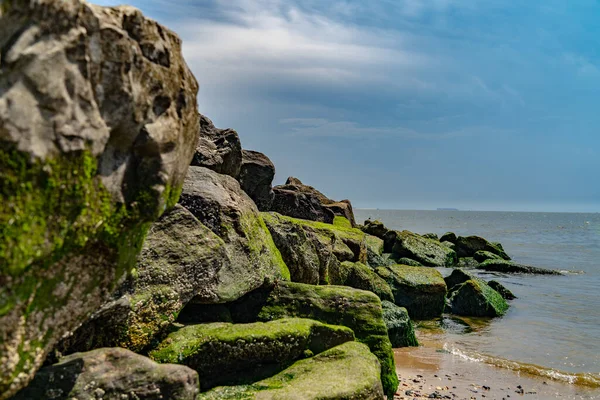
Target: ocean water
[{"x": 553, "y": 328}]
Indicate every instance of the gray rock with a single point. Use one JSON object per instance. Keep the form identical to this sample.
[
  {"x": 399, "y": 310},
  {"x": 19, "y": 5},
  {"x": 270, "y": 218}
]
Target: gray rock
[
  {"x": 468, "y": 246},
  {"x": 218, "y": 149},
  {"x": 399, "y": 326},
  {"x": 98, "y": 120},
  {"x": 375, "y": 228},
  {"x": 256, "y": 177},
  {"x": 112, "y": 374},
  {"x": 426, "y": 251},
  {"x": 448, "y": 237}
]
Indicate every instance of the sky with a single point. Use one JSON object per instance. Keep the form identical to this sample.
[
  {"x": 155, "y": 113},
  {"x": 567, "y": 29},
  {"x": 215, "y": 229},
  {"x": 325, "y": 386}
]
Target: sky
[{"x": 406, "y": 104}]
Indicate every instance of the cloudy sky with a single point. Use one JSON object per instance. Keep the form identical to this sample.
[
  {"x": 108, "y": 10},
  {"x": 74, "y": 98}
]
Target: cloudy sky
[{"x": 408, "y": 104}]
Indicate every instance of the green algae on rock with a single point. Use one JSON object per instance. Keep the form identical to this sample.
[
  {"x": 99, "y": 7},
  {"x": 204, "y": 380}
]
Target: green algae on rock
[
  {"x": 421, "y": 290},
  {"x": 457, "y": 277},
  {"x": 359, "y": 276},
  {"x": 348, "y": 371},
  {"x": 399, "y": 326},
  {"x": 510, "y": 267},
  {"x": 476, "y": 299},
  {"x": 426, "y": 251},
  {"x": 468, "y": 246},
  {"x": 482, "y": 255},
  {"x": 112, "y": 373},
  {"x": 500, "y": 288},
  {"x": 233, "y": 354},
  {"x": 92, "y": 149}
]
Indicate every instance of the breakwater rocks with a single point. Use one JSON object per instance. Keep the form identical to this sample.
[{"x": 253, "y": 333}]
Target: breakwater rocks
[{"x": 120, "y": 260}]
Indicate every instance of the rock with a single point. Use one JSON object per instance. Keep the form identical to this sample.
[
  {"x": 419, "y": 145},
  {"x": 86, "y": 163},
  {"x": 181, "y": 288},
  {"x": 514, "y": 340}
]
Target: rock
[
  {"x": 482, "y": 256},
  {"x": 421, "y": 290},
  {"x": 359, "y": 310},
  {"x": 449, "y": 245},
  {"x": 448, "y": 237},
  {"x": 407, "y": 261},
  {"x": 317, "y": 377},
  {"x": 476, "y": 299},
  {"x": 342, "y": 222},
  {"x": 389, "y": 240},
  {"x": 294, "y": 199},
  {"x": 456, "y": 278},
  {"x": 98, "y": 118},
  {"x": 468, "y": 246},
  {"x": 359, "y": 276},
  {"x": 467, "y": 263},
  {"x": 375, "y": 228},
  {"x": 432, "y": 236},
  {"x": 426, "y": 251},
  {"x": 311, "y": 248},
  {"x": 232, "y": 354},
  {"x": 375, "y": 256},
  {"x": 500, "y": 288},
  {"x": 218, "y": 149},
  {"x": 222, "y": 206},
  {"x": 112, "y": 374},
  {"x": 256, "y": 177},
  {"x": 399, "y": 325},
  {"x": 510, "y": 267}
]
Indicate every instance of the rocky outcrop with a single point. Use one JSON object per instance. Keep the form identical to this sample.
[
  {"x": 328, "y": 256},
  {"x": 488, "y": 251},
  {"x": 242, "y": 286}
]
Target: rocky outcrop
[
  {"x": 256, "y": 177},
  {"x": 318, "y": 377},
  {"x": 310, "y": 249},
  {"x": 112, "y": 374},
  {"x": 500, "y": 288},
  {"x": 97, "y": 127},
  {"x": 399, "y": 325},
  {"x": 375, "y": 228},
  {"x": 468, "y": 246},
  {"x": 421, "y": 290},
  {"x": 218, "y": 149},
  {"x": 482, "y": 256},
  {"x": 476, "y": 299},
  {"x": 359, "y": 276},
  {"x": 432, "y": 236},
  {"x": 457, "y": 277},
  {"x": 426, "y": 251},
  {"x": 297, "y": 200},
  {"x": 509, "y": 267},
  {"x": 448, "y": 237},
  {"x": 230, "y": 354}
]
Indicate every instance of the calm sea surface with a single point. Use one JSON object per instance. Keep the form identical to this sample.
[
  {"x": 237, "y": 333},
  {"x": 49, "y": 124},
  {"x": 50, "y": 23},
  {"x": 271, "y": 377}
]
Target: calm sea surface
[{"x": 555, "y": 322}]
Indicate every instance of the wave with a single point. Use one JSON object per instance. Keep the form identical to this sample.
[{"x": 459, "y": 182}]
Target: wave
[{"x": 582, "y": 378}]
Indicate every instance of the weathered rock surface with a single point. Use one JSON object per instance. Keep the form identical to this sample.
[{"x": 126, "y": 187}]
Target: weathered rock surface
[
  {"x": 375, "y": 255},
  {"x": 476, "y": 299},
  {"x": 468, "y": 246},
  {"x": 359, "y": 276},
  {"x": 218, "y": 149},
  {"x": 407, "y": 261},
  {"x": 256, "y": 177},
  {"x": 298, "y": 200},
  {"x": 399, "y": 325},
  {"x": 310, "y": 249},
  {"x": 348, "y": 371},
  {"x": 510, "y": 267},
  {"x": 482, "y": 256},
  {"x": 467, "y": 263},
  {"x": 457, "y": 277},
  {"x": 426, "y": 251},
  {"x": 448, "y": 237},
  {"x": 233, "y": 354},
  {"x": 97, "y": 127},
  {"x": 112, "y": 374},
  {"x": 432, "y": 236},
  {"x": 375, "y": 228},
  {"x": 500, "y": 288},
  {"x": 421, "y": 290},
  {"x": 359, "y": 310}
]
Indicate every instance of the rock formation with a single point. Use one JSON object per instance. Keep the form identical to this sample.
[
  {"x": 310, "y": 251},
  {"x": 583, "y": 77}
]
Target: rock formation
[
  {"x": 218, "y": 149},
  {"x": 256, "y": 177}
]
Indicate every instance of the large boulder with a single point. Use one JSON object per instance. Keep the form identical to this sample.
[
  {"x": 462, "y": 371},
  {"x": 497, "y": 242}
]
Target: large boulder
[
  {"x": 503, "y": 290},
  {"x": 298, "y": 200},
  {"x": 421, "y": 290},
  {"x": 256, "y": 176},
  {"x": 98, "y": 122},
  {"x": 426, "y": 251},
  {"x": 310, "y": 249},
  {"x": 399, "y": 325},
  {"x": 348, "y": 371},
  {"x": 509, "y": 267},
  {"x": 469, "y": 245},
  {"x": 112, "y": 374},
  {"x": 232, "y": 354},
  {"x": 476, "y": 299},
  {"x": 448, "y": 237},
  {"x": 359, "y": 276},
  {"x": 218, "y": 149},
  {"x": 457, "y": 277}
]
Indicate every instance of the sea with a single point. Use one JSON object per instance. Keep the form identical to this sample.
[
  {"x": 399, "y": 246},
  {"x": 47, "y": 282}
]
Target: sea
[{"x": 552, "y": 329}]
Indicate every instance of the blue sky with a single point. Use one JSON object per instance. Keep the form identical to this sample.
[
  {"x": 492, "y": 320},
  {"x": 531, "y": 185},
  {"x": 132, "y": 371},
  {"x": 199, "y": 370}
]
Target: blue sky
[{"x": 411, "y": 104}]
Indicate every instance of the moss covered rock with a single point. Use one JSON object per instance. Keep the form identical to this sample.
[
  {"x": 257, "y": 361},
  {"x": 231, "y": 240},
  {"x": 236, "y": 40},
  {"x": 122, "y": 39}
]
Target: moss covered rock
[
  {"x": 93, "y": 148},
  {"x": 421, "y": 290},
  {"x": 399, "y": 326},
  {"x": 469, "y": 245},
  {"x": 348, "y": 371},
  {"x": 448, "y": 237},
  {"x": 359, "y": 276},
  {"x": 457, "y": 277},
  {"x": 375, "y": 228},
  {"x": 426, "y": 251},
  {"x": 311, "y": 248},
  {"x": 476, "y": 299},
  {"x": 112, "y": 374},
  {"x": 483, "y": 255},
  {"x": 230, "y": 354},
  {"x": 500, "y": 288},
  {"x": 432, "y": 236},
  {"x": 406, "y": 261},
  {"x": 467, "y": 263},
  {"x": 510, "y": 267}
]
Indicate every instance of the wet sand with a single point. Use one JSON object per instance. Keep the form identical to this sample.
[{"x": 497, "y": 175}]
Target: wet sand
[{"x": 430, "y": 372}]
